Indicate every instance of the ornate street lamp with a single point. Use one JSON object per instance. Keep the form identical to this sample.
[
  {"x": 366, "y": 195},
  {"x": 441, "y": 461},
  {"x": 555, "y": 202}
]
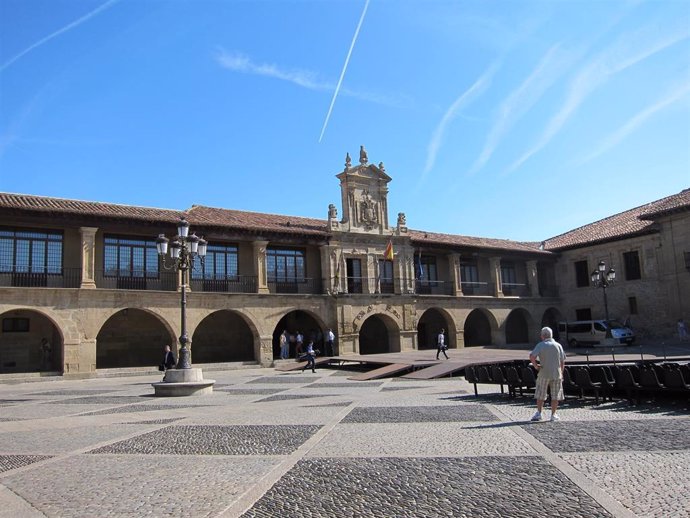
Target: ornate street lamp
[
  {"x": 601, "y": 278},
  {"x": 184, "y": 250}
]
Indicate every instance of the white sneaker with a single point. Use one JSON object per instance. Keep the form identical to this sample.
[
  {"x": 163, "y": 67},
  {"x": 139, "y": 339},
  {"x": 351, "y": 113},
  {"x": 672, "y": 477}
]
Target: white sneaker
[
  {"x": 536, "y": 416},
  {"x": 555, "y": 417}
]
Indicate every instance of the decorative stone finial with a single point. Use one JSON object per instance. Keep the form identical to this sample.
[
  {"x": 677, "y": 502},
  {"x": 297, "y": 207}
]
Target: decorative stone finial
[
  {"x": 363, "y": 158},
  {"x": 332, "y": 212},
  {"x": 348, "y": 161},
  {"x": 401, "y": 219},
  {"x": 382, "y": 167}
]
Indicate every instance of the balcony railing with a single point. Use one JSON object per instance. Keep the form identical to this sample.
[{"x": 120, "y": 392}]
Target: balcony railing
[
  {"x": 512, "y": 289},
  {"x": 484, "y": 289},
  {"x": 310, "y": 286},
  {"x": 433, "y": 287},
  {"x": 548, "y": 291},
  {"x": 237, "y": 284},
  {"x": 66, "y": 278},
  {"x": 136, "y": 280}
]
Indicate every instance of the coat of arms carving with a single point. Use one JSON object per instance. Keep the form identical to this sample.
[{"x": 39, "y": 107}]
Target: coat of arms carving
[{"x": 367, "y": 211}]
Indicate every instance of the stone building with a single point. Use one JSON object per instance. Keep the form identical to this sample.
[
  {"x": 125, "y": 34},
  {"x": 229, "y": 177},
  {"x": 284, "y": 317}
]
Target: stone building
[
  {"x": 649, "y": 247},
  {"x": 87, "y": 277}
]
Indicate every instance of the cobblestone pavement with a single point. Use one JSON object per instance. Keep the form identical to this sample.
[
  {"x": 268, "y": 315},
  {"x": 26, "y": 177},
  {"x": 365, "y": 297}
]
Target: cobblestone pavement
[{"x": 269, "y": 444}]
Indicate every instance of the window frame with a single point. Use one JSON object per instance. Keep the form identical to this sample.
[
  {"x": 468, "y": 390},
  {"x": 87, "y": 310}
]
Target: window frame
[
  {"x": 582, "y": 275},
  {"x": 226, "y": 251},
  {"x": 299, "y": 273},
  {"x": 632, "y": 267},
  {"x": 49, "y": 264},
  {"x": 149, "y": 255}
]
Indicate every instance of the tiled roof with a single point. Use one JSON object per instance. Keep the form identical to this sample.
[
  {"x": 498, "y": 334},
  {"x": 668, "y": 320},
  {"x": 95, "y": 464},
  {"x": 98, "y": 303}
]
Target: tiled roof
[
  {"x": 89, "y": 208},
  {"x": 625, "y": 224},
  {"x": 677, "y": 202},
  {"x": 433, "y": 238},
  {"x": 238, "y": 219}
]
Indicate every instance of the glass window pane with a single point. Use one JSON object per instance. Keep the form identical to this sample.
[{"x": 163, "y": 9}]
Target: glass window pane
[{"x": 6, "y": 254}]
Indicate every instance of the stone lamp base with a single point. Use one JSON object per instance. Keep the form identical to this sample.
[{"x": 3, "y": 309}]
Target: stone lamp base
[{"x": 183, "y": 382}]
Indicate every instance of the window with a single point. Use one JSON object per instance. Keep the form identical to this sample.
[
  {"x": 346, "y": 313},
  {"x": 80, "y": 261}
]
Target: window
[
  {"x": 632, "y": 305},
  {"x": 15, "y": 325},
  {"x": 469, "y": 272},
  {"x": 130, "y": 257},
  {"x": 386, "y": 276},
  {"x": 583, "y": 314},
  {"x": 354, "y": 275},
  {"x": 285, "y": 265},
  {"x": 425, "y": 268},
  {"x": 581, "y": 274},
  {"x": 508, "y": 273},
  {"x": 221, "y": 263},
  {"x": 631, "y": 261},
  {"x": 24, "y": 251}
]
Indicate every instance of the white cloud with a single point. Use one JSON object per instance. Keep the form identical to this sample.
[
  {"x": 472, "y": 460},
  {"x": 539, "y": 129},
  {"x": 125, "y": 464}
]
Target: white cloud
[
  {"x": 464, "y": 100},
  {"x": 57, "y": 33},
  {"x": 593, "y": 75},
  {"x": 636, "y": 121},
  {"x": 521, "y": 100}
]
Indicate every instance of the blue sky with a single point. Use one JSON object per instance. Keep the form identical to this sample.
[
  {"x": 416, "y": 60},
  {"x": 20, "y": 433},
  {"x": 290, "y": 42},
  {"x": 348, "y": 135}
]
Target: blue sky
[{"x": 509, "y": 119}]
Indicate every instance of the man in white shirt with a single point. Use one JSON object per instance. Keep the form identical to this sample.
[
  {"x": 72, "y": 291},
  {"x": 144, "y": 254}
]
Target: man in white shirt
[
  {"x": 330, "y": 337},
  {"x": 550, "y": 372},
  {"x": 441, "y": 344}
]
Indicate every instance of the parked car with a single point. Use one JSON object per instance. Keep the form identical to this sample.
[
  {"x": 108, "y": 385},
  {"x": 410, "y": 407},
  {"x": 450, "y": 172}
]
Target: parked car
[{"x": 600, "y": 333}]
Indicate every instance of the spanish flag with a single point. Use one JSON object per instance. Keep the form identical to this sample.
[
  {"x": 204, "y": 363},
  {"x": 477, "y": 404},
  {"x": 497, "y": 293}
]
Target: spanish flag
[{"x": 388, "y": 254}]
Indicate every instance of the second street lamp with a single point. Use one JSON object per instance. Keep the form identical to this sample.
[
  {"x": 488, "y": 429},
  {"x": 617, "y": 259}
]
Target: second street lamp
[
  {"x": 601, "y": 278},
  {"x": 184, "y": 250}
]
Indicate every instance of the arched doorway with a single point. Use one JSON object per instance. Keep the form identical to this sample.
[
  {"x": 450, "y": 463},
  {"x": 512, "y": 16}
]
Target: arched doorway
[
  {"x": 132, "y": 338},
  {"x": 379, "y": 334},
  {"x": 223, "y": 336},
  {"x": 551, "y": 319},
  {"x": 429, "y": 326},
  {"x": 21, "y": 343},
  {"x": 517, "y": 328},
  {"x": 477, "y": 329},
  {"x": 303, "y": 322}
]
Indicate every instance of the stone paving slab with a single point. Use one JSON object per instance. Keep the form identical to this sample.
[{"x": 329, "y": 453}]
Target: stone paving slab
[
  {"x": 623, "y": 474},
  {"x": 8, "y": 462},
  {"x": 132, "y": 486},
  {"x": 486, "y": 487},
  {"x": 284, "y": 378},
  {"x": 582, "y": 436},
  {"x": 215, "y": 440},
  {"x": 419, "y": 414},
  {"x": 59, "y": 440},
  {"x": 431, "y": 439},
  {"x": 285, "y": 397}
]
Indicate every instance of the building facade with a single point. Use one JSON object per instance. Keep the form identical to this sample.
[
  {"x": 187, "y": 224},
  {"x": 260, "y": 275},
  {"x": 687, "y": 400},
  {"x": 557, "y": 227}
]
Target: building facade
[{"x": 86, "y": 276}]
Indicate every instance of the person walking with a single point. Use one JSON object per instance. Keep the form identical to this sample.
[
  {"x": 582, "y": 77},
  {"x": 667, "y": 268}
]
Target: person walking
[
  {"x": 168, "y": 360},
  {"x": 330, "y": 338},
  {"x": 46, "y": 355},
  {"x": 550, "y": 373},
  {"x": 311, "y": 357},
  {"x": 441, "y": 344},
  {"x": 284, "y": 345},
  {"x": 299, "y": 340}
]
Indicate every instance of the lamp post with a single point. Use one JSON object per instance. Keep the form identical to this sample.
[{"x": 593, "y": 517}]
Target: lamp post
[
  {"x": 184, "y": 250},
  {"x": 601, "y": 278}
]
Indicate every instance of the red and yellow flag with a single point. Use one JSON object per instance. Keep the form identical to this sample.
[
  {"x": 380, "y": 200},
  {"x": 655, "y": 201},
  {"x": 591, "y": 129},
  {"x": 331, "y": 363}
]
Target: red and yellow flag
[{"x": 388, "y": 254}]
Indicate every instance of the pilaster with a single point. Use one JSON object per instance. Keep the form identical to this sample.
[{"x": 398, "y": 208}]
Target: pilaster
[
  {"x": 88, "y": 257},
  {"x": 533, "y": 278},
  {"x": 495, "y": 271},
  {"x": 259, "y": 248}
]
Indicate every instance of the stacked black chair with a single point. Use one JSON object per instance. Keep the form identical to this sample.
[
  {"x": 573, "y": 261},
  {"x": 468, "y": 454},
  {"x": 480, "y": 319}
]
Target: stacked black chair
[
  {"x": 497, "y": 376},
  {"x": 650, "y": 381},
  {"x": 676, "y": 381},
  {"x": 568, "y": 385},
  {"x": 514, "y": 381},
  {"x": 529, "y": 380},
  {"x": 599, "y": 374},
  {"x": 626, "y": 382},
  {"x": 471, "y": 377},
  {"x": 585, "y": 383}
]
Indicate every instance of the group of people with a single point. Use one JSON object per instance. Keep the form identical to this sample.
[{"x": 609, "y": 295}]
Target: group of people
[{"x": 298, "y": 339}]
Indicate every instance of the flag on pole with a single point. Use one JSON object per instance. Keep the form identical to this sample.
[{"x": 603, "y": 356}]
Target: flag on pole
[
  {"x": 420, "y": 268},
  {"x": 388, "y": 254}
]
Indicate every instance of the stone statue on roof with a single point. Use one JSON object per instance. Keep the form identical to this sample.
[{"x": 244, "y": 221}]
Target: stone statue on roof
[
  {"x": 348, "y": 161},
  {"x": 363, "y": 158}
]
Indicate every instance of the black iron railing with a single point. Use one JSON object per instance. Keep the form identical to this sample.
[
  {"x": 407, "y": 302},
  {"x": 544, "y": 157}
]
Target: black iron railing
[
  {"x": 236, "y": 284},
  {"x": 477, "y": 288},
  {"x": 433, "y": 287},
  {"x": 136, "y": 280},
  {"x": 64, "y": 278},
  {"x": 308, "y": 285}
]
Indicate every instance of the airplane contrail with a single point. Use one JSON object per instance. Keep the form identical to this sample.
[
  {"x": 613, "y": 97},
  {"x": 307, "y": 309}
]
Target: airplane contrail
[
  {"x": 342, "y": 74},
  {"x": 58, "y": 32}
]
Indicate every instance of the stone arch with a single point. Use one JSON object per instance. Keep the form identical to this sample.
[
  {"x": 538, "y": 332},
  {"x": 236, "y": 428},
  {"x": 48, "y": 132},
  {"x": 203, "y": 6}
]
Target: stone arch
[
  {"x": 517, "y": 326},
  {"x": 307, "y": 323},
  {"x": 132, "y": 337},
  {"x": 223, "y": 336},
  {"x": 551, "y": 318},
  {"x": 478, "y": 328},
  {"x": 21, "y": 342},
  {"x": 379, "y": 334},
  {"x": 429, "y": 325}
]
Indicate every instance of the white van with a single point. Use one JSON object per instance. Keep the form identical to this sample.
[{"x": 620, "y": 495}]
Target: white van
[{"x": 595, "y": 333}]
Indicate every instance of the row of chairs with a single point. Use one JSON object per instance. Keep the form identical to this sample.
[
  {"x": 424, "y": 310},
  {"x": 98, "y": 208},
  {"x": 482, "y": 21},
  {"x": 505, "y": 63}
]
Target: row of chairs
[{"x": 603, "y": 381}]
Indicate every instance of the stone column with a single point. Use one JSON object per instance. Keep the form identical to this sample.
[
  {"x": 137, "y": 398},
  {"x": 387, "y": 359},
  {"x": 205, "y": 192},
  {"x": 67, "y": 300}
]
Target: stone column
[
  {"x": 260, "y": 266},
  {"x": 266, "y": 351},
  {"x": 495, "y": 271},
  {"x": 533, "y": 278},
  {"x": 88, "y": 257},
  {"x": 454, "y": 274}
]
